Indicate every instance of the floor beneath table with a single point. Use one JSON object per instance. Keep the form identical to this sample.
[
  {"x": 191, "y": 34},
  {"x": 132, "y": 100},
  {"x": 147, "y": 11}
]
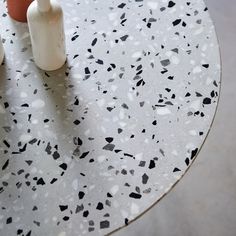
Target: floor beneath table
[{"x": 204, "y": 202}]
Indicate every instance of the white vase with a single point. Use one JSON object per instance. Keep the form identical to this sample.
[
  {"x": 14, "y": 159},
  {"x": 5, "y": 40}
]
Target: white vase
[
  {"x": 1, "y": 51},
  {"x": 45, "y": 20}
]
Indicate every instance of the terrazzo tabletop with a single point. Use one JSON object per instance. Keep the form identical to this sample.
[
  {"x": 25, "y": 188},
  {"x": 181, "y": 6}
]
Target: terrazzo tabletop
[{"x": 88, "y": 148}]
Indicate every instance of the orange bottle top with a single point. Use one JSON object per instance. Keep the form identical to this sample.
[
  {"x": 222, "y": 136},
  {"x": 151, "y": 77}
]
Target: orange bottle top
[{"x": 17, "y": 9}]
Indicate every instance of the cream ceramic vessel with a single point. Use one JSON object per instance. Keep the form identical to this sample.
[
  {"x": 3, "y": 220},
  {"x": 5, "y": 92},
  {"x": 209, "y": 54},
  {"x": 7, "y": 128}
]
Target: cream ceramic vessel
[
  {"x": 1, "y": 51},
  {"x": 45, "y": 19}
]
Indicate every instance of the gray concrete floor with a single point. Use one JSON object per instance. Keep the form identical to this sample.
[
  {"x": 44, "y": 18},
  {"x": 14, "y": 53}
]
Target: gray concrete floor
[{"x": 204, "y": 202}]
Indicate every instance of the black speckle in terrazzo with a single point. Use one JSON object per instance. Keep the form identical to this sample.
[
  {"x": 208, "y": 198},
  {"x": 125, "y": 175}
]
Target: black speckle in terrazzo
[
  {"x": 99, "y": 206},
  {"x": 74, "y": 37},
  {"x": 207, "y": 101},
  {"x": 76, "y": 122},
  {"x": 152, "y": 164},
  {"x": 53, "y": 180},
  {"x": 176, "y": 22},
  {"x": 194, "y": 153},
  {"x": 187, "y": 161},
  {"x": 63, "y": 207},
  {"x": 145, "y": 178},
  {"x": 48, "y": 149},
  {"x": 63, "y": 166},
  {"x": 109, "y": 139},
  {"x": 83, "y": 155},
  {"x": 171, "y": 4},
  {"x": 81, "y": 195},
  {"x": 85, "y": 214},
  {"x": 19, "y": 231},
  {"x": 122, "y": 5},
  {"x": 9, "y": 220},
  {"x": 126, "y": 221},
  {"x": 176, "y": 169},
  {"x": 94, "y": 41},
  {"x": 40, "y": 181},
  {"x": 104, "y": 224},
  {"x": 5, "y": 165},
  {"x": 66, "y": 218},
  {"x": 135, "y": 195},
  {"x": 79, "y": 208},
  {"x": 28, "y": 234},
  {"x": 55, "y": 155}
]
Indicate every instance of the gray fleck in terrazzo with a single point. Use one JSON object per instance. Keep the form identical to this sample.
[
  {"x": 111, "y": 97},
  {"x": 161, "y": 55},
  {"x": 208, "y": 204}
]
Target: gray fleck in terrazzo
[{"x": 86, "y": 149}]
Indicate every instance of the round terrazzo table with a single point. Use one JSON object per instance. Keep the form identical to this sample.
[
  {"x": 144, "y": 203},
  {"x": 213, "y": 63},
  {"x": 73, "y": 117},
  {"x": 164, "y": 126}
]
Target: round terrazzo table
[{"x": 87, "y": 149}]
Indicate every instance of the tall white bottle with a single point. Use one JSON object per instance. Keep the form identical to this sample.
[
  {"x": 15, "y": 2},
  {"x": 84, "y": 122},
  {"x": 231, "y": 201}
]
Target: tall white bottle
[
  {"x": 45, "y": 20},
  {"x": 1, "y": 52}
]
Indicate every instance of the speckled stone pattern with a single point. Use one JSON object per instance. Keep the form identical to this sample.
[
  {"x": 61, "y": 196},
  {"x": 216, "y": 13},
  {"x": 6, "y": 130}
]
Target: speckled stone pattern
[{"x": 86, "y": 149}]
